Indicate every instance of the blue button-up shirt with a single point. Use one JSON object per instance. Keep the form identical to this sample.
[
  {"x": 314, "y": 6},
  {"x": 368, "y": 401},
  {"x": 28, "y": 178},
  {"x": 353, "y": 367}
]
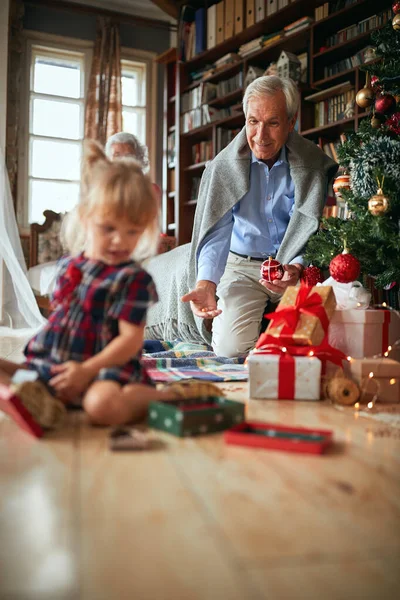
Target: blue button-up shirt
[{"x": 253, "y": 227}]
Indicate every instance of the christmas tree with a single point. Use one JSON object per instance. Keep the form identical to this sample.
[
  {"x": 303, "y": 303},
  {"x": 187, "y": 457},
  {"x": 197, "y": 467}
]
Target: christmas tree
[{"x": 371, "y": 158}]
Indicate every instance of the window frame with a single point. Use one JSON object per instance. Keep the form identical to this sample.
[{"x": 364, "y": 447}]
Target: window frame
[{"x": 62, "y": 46}]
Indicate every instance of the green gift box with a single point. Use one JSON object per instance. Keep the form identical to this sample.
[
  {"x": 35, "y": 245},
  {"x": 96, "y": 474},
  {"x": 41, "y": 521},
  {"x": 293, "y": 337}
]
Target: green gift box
[{"x": 195, "y": 417}]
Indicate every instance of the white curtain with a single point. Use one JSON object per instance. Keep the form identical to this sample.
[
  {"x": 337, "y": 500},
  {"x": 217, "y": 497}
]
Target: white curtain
[{"x": 18, "y": 309}]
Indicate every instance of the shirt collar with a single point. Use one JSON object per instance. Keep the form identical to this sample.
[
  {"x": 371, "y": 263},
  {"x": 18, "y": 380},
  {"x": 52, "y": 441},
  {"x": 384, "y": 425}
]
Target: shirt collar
[{"x": 281, "y": 159}]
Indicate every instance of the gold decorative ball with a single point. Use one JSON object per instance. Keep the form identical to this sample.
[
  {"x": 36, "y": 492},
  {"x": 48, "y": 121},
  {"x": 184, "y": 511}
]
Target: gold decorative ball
[
  {"x": 378, "y": 204},
  {"x": 365, "y": 97},
  {"x": 375, "y": 123},
  {"x": 396, "y": 22}
]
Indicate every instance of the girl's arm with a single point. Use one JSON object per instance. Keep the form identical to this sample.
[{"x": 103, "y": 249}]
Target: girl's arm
[{"x": 72, "y": 378}]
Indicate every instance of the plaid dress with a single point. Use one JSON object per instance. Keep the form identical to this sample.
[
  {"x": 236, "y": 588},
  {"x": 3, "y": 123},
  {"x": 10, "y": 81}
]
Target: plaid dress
[{"x": 89, "y": 300}]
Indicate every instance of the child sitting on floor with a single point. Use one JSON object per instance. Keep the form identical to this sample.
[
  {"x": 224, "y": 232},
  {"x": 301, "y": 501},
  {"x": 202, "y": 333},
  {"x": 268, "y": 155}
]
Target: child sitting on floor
[{"x": 91, "y": 346}]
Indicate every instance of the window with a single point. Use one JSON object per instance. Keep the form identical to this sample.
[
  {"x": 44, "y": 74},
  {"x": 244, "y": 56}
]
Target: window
[
  {"x": 56, "y": 125},
  {"x": 133, "y": 82}
]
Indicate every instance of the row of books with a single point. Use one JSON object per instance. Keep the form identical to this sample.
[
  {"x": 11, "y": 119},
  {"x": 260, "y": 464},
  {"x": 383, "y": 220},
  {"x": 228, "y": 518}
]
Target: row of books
[
  {"x": 202, "y": 116},
  {"x": 356, "y": 29},
  {"x": 334, "y": 108},
  {"x": 202, "y": 152},
  {"x": 202, "y": 94},
  {"x": 363, "y": 56},
  {"x": 227, "y": 86},
  {"x": 224, "y": 137},
  {"x": 321, "y": 11},
  {"x": 330, "y": 147},
  {"x": 339, "y": 211},
  {"x": 298, "y": 25}
]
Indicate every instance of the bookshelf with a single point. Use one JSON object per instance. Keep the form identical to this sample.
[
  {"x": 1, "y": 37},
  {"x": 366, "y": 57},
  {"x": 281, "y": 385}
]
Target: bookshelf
[{"x": 333, "y": 36}]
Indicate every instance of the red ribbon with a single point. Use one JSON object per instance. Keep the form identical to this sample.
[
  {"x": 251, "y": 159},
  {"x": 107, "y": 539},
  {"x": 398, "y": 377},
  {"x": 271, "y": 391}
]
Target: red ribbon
[{"x": 306, "y": 303}]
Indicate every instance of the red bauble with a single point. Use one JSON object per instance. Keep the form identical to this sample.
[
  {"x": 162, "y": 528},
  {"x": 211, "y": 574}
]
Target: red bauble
[
  {"x": 344, "y": 268},
  {"x": 396, "y": 7},
  {"x": 385, "y": 103},
  {"x": 271, "y": 269},
  {"x": 375, "y": 83},
  {"x": 311, "y": 276}
]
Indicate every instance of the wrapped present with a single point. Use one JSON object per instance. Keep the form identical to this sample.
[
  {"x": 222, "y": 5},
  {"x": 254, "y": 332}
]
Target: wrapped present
[
  {"x": 364, "y": 333},
  {"x": 283, "y": 376},
  {"x": 302, "y": 317},
  {"x": 385, "y": 379},
  {"x": 195, "y": 417}
]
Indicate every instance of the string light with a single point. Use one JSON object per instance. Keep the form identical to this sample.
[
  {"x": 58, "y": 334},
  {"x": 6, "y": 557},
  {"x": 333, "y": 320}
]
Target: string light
[
  {"x": 311, "y": 353},
  {"x": 392, "y": 381},
  {"x": 371, "y": 374}
]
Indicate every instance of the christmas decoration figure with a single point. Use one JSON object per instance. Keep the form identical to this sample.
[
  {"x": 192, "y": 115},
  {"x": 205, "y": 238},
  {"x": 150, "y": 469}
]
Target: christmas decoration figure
[{"x": 271, "y": 269}]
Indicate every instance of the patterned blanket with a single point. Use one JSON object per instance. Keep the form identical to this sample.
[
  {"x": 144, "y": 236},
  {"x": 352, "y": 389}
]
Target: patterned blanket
[{"x": 171, "y": 361}]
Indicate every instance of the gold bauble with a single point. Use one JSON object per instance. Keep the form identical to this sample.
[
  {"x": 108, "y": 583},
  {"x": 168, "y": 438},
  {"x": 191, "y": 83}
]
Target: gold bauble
[
  {"x": 396, "y": 22},
  {"x": 378, "y": 204},
  {"x": 365, "y": 97},
  {"x": 375, "y": 123}
]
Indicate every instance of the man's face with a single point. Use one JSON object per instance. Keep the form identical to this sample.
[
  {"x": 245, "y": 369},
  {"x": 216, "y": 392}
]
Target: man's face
[
  {"x": 268, "y": 126},
  {"x": 120, "y": 150}
]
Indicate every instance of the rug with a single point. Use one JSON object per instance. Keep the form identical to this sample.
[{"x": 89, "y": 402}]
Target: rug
[{"x": 172, "y": 361}]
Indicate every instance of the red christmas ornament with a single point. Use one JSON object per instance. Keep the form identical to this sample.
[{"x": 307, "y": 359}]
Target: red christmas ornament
[
  {"x": 342, "y": 182},
  {"x": 271, "y": 269},
  {"x": 311, "y": 276},
  {"x": 344, "y": 268},
  {"x": 393, "y": 122},
  {"x": 385, "y": 103},
  {"x": 375, "y": 82},
  {"x": 396, "y": 7}
]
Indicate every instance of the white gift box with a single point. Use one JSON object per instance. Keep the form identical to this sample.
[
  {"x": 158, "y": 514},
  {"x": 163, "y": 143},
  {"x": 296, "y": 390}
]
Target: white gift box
[
  {"x": 363, "y": 333},
  {"x": 268, "y": 374}
]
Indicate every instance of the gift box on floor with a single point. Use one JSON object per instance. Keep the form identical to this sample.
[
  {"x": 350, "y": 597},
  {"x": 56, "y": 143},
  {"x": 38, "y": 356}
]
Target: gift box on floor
[
  {"x": 284, "y": 377},
  {"x": 195, "y": 417},
  {"x": 302, "y": 316},
  {"x": 363, "y": 333},
  {"x": 385, "y": 381}
]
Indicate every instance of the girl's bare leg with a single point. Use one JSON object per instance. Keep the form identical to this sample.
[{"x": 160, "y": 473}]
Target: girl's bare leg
[
  {"x": 107, "y": 403},
  {"x": 7, "y": 370}
]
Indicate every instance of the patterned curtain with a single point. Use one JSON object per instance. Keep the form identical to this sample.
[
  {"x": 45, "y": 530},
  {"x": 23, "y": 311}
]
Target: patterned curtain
[
  {"x": 15, "y": 50},
  {"x": 103, "y": 114}
]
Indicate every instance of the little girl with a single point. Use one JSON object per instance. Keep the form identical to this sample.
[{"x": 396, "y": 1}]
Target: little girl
[{"x": 90, "y": 348}]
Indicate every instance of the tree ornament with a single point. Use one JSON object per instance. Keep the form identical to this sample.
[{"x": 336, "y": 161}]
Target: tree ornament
[
  {"x": 378, "y": 205},
  {"x": 393, "y": 123},
  {"x": 312, "y": 275},
  {"x": 271, "y": 269},
  {"x": 365, "y": 96},
  {"x": 385, "y": 103},
  {"x": 342, "y": 390},
  {"x": 375, "y": 83},
  {"x": 375, "y": 122},
  {"x": 342, "y": 182},
  {"x": 345, "y": 267},
  {"x": 396, "y": 22},
  {"x": 396, "y": 7}
]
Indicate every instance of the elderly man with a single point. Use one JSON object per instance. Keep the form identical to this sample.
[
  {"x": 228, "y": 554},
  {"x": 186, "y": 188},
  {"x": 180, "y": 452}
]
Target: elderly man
[{"x": 263, "y": 195}]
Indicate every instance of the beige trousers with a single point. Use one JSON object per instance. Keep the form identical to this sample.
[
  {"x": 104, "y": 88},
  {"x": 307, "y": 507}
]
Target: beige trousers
[{"x": 243, "y": 301}]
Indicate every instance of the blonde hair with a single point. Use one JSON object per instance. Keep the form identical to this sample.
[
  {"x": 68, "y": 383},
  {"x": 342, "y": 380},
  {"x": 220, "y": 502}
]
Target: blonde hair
[{"x": 118, "y": 188}]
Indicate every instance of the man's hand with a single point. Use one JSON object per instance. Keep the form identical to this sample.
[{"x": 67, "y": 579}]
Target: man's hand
[
  {"x": 71, "y": 379},
  {"x": 290, "y": 277},
  {"x": 202, "y": 300}
]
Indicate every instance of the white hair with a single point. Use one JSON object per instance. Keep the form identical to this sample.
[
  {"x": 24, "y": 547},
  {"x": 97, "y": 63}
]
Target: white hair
[
  {"x": 139, "y": 151},
  {"x": 268, "y": 85}
]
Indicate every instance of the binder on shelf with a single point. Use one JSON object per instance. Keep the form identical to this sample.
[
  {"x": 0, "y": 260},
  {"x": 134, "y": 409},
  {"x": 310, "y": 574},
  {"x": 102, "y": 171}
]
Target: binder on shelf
[
  {"x": 239, "y": 14},
  {"x": 260, "y": 10},
  {"x": 211, "y": 26},
  {"x": 250, "y": 16},
  {"x": 229, "y": 18},
  {"x": 272, "y": 6},
  {"x": 220, "y": 21},
  {"x": 200, "y": 29}
]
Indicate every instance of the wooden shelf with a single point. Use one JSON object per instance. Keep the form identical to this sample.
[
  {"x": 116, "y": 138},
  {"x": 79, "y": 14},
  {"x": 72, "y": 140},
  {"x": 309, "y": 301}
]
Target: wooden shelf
[
  {"x": 342, "y": 74},
  {"x": 227, "y": 99},
  {"x": 345, "y": 48},
  {"x": 324, "y": 128}
]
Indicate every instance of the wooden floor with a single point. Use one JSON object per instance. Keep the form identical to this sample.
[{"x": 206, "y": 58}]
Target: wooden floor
[{"x": 199, "y": 520}]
